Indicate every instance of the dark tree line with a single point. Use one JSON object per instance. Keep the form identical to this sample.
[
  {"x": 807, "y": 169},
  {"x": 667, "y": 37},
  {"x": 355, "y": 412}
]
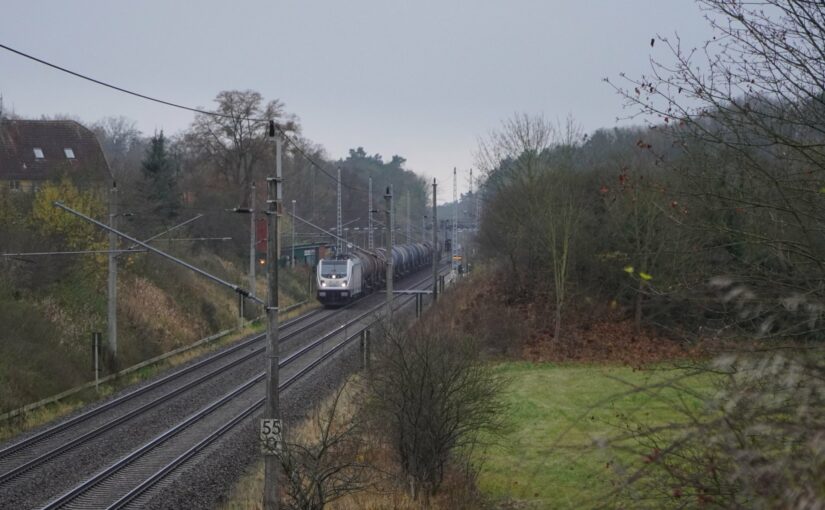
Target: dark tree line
[
  {"x": 709, "y": 216},
  {"x": 210, "y": 167},
  {"x": 704, "y": 223}
]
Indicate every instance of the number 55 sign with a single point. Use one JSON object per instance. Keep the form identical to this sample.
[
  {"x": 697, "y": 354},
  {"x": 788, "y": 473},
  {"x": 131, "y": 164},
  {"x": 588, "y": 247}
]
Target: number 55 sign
[{"x": 271, "y": 437}]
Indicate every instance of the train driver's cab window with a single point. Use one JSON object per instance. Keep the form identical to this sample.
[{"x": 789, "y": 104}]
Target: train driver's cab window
[{"x": 333, "y": 268}]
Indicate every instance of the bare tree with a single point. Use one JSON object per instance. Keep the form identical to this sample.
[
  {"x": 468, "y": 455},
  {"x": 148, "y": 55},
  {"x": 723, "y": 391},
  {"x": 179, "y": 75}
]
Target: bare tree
[
  {"x": 237, "y": 136},
  {"x": 432, "y": 397},
  {"x": 535, "y": 207},
  {"x": 562, "y": 218},
  {"x": 562, "y": 212},
  {"x": 640, "y": 215},
  {"x": 514, "y": 161},
  {"x": 122, "y": 143},
  {"x": 324, "y": 463},
  {"x": 747, "y": 111},
  {"x": 519, "y": 135}
]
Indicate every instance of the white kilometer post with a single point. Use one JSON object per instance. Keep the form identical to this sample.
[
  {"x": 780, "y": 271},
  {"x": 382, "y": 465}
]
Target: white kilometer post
[{"x": 271, "y": 436}]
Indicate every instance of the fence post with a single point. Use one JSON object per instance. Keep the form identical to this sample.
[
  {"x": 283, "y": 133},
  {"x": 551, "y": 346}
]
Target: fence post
[
  {"x": 240, "y": 312},
  {"x": 96, "y": 359},
  {"x": 367, "y": 355}
]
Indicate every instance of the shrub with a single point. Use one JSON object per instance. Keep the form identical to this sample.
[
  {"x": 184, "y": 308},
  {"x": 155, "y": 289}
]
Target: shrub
[
  {"x": 432, "y": 397},
  {"x": 759, "y": 443}
]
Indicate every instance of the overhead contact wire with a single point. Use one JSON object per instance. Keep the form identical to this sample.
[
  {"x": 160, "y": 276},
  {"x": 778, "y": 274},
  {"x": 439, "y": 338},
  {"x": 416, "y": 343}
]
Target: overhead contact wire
[{"x": 286, "y": 136}]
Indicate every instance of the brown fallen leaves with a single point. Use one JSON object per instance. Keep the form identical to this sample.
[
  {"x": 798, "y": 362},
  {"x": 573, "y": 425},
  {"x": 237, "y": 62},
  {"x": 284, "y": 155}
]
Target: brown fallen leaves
[
  {"x": 605, "y": 340},
  {"x": 592, "y": 331}
]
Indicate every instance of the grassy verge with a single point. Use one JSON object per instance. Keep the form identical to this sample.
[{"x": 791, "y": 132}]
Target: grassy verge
[
  {"x": 56, "y": 410},
  {"x": 61, "y": 408},
  {"x": 547, "y": 456},
  {"x": 247, "y": 492}
]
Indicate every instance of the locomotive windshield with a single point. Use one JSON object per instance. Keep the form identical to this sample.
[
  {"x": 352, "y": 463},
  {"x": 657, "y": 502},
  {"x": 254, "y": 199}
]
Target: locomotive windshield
[{"x": 330, "y": 268}]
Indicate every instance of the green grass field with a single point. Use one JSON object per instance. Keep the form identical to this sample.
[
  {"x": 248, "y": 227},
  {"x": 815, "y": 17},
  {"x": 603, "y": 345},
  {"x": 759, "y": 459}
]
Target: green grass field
[{"x": 547, "y": 456}]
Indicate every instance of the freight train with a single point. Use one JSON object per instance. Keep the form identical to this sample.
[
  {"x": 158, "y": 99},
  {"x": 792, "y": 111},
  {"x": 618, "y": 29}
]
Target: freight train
[{"x": 344, "y": 278}]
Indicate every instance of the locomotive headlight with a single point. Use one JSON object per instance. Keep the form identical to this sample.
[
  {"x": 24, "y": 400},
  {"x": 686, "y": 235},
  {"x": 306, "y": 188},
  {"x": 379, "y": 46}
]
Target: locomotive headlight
[
  {"x": 344, "y": 283},
  {"x": 323, "y": 283}
]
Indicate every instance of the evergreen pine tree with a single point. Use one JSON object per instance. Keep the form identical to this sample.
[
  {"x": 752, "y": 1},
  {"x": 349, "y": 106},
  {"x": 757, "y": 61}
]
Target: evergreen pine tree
[{"x": 160, "y": 180}]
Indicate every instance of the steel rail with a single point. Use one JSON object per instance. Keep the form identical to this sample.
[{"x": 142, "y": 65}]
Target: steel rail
[
  {"x": 45, "y": 434},
  {"x": 161, "y": 473},
  {"x": 155, "y": 478},
  {"x": 123, "y": 461},
  {"x": 48, "y": 433}
]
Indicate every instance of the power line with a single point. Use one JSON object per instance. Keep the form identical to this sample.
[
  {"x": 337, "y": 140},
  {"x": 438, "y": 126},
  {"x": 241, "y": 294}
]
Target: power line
[
  {"x": 109, "y": 85},
  {"x": 283, "y": 132},
  {"x": 318, "y": 165}
]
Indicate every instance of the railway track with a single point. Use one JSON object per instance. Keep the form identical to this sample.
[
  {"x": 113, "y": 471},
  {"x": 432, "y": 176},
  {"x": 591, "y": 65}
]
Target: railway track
[
  {"x": 189, "y": 377},
  {"x": 20, "y": 459}
]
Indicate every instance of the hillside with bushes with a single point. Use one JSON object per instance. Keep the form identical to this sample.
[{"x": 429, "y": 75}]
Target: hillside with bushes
[{"x": 52, "y": 304}]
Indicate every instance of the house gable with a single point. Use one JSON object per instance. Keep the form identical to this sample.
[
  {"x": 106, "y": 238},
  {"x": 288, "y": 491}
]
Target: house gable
[{"x": 37, "y": 150}]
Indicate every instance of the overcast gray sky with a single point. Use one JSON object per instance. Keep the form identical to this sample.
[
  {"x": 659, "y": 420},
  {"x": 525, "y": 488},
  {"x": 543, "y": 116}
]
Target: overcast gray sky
[{"x": 421, "y": 79}]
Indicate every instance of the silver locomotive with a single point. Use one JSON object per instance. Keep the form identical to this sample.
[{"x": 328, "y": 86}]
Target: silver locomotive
[{"x": 344, "y": 278}]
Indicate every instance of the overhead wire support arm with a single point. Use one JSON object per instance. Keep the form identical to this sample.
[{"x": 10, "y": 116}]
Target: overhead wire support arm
[
  {"x": 179, "y": 225},
  {"x": 161, "y": 234},
  {"x": 327, "y": 232},
  {"x": 198, "y": 239},
  {"x": 79, "y": 252},
  {"x": 240, "y": 290}
]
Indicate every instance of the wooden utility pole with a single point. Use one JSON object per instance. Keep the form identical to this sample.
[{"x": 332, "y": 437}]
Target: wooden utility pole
[{"x": 271, "y": 418}]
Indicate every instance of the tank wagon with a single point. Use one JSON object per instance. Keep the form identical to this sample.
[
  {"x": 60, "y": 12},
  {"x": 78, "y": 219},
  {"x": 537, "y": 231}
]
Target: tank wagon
[{"x": 344, "y": 278}]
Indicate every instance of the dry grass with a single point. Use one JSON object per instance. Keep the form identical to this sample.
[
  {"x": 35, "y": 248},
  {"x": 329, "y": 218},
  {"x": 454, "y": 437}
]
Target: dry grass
[
  {"x": 153, "y": 310},
  {"x": 71, "y": 325},
  {"x": 247, "y": 495},
  {"x": 45, "y": 346},
  {"x": 384, "y": 492},
  {"x": 43, "y": 415},
  {"x": 48, "y": 413},
  {"x": 453, "y": 495}
]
